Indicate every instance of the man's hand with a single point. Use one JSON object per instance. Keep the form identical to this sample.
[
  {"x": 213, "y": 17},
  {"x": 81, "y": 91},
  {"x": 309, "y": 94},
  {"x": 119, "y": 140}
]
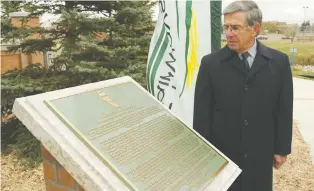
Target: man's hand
[{"x": 279, "y": 160}]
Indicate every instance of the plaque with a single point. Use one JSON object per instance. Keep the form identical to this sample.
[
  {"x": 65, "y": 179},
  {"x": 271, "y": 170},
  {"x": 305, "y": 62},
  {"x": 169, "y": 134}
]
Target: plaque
[
  {"x": 113, "y": 135},
  {"x": 143, "y": 143}
]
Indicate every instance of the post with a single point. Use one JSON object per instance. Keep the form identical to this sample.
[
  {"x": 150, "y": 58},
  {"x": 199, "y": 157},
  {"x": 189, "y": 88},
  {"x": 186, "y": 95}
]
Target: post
[
  {"x": 293, "y": 51},
  {"x": 292, "y": 59},
  {"x": 215, "y": 11}
]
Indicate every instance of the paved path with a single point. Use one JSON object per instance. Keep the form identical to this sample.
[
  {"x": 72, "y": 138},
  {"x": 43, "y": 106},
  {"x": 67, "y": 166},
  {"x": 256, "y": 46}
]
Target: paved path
[{"x": 304, "y": 110}]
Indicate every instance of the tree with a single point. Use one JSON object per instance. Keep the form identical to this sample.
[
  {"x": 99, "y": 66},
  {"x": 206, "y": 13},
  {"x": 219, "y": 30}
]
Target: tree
[
  {"x": 271, "y": 26},
  {"x": 98, "y": 40},
  {"x": 305, "y": 26},
  {"x": 291, "y": 32},
  {"x": 125, "y": 25},
  {"x": 113, "y": 44}
]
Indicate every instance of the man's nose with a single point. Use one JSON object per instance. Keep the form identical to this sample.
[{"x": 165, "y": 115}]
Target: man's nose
[{"x": 229, "y": 34}]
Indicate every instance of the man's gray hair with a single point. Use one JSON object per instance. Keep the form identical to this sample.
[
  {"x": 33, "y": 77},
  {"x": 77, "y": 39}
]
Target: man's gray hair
[{"x": 250, "y": 8}]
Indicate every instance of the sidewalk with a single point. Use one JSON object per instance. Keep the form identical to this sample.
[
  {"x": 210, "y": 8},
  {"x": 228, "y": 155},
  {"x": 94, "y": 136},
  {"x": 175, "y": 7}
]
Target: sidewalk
[{"x": 304, "y": 110}]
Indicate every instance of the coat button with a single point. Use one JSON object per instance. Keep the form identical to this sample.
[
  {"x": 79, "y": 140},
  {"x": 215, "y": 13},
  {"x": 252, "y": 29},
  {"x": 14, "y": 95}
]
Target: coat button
[
  {"x": 246, "y": 123},
  {"x": 245, "y": 88}
]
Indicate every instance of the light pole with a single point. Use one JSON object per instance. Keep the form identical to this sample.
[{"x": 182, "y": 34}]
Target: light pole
[
  {"x": 305, "y": 7},
  {"x": 304, "y": 23}
]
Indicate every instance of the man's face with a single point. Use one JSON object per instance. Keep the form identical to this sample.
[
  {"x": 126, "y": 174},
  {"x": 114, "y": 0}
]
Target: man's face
[{"x": 240, "y": 36}]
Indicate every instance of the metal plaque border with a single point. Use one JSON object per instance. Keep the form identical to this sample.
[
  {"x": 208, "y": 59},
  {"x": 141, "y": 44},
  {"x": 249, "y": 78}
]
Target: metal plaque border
[{"x": 100, "y": 156}]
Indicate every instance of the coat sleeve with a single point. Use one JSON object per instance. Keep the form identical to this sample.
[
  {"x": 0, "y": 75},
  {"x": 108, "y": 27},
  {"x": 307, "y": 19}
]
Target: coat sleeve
[
  {"x": 203, "y": 100},
  {"x": 283, "y": 134}
]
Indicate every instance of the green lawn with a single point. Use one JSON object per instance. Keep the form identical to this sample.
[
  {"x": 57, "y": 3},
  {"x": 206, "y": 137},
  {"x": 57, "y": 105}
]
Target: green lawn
[
  {"x": 306, "y": 48},
  {"x": 303, "y": 56},
  {"x": 299, "y": 73},
  {"x": 284, "y": 46}
]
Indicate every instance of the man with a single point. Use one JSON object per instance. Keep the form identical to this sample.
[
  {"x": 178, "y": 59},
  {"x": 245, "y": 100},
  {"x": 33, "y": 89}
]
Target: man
[{"x": 244, "y": 98}]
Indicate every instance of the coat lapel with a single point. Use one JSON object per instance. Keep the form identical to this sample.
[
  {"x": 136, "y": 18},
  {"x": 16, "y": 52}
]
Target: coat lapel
[
  {"x": 263, "y": 56},
  {"x": 232, "y": 57},
  {"x": 259, "y": 61},
  {"x": 239, "y": 65}
]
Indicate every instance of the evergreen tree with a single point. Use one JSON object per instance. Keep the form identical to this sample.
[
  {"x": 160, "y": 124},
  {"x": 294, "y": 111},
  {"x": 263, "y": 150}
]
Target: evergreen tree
[
  {"x": 98, "y": 40},
  {"x": 126, "y": 27}
]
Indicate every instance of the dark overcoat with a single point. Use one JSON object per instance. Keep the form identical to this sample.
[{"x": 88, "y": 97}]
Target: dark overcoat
[{"x": 246, "y": 114}]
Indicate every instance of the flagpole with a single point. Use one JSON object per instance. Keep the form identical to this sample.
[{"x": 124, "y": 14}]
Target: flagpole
[{"x": 215, "y": 11}]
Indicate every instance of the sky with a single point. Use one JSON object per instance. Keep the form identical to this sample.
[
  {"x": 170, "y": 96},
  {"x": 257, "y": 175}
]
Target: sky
[{"x": 289, "y": 11}]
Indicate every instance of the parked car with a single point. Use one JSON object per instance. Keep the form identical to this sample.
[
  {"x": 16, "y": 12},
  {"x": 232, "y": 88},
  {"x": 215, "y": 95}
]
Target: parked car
[{"x": 262, "y": 37}]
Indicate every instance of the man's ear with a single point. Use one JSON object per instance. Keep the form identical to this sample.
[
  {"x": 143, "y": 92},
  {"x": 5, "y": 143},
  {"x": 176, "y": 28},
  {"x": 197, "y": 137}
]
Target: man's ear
[{"x": 257, "y": 29}]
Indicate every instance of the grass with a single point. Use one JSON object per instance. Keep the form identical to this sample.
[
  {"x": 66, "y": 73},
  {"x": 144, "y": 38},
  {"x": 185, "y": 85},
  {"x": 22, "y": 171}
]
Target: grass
[
  {"x": 303, "y": 56},
  {"x": 285, "y": 46},
  {"x": 297, "y": 72},
  {"x": 306, "y": 48}
]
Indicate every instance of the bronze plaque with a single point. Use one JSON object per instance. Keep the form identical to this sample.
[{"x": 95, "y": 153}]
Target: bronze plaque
[{"x": 143, "y": 144}]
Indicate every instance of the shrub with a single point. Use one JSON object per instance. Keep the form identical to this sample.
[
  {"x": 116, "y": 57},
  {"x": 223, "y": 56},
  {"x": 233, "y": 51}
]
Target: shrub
[{"x": 304, "y": 59}]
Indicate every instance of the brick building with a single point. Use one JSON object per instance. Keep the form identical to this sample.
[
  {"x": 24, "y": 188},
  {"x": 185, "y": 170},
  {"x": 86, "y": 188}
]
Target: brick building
[{"x": 19, "y": 60}]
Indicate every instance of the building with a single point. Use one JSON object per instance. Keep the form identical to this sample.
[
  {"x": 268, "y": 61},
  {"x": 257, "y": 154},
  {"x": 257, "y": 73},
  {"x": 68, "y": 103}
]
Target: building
[{"x": 19, "y": 60}]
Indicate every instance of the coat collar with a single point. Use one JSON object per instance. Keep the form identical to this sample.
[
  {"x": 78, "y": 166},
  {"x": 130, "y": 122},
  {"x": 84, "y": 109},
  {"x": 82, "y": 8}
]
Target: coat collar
[
  {"x": 262, "y": 55},
  {"x": 227, "y": 53}
]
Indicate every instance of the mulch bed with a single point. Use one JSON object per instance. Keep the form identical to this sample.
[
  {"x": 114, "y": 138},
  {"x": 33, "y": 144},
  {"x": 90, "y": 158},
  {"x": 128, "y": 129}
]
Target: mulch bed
[
  {"x": 296, "y": 175},
  {"x": 17, "y": 177}
]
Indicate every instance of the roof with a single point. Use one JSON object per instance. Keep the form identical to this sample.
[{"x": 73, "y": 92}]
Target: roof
[{"x": 18, "y": 14}]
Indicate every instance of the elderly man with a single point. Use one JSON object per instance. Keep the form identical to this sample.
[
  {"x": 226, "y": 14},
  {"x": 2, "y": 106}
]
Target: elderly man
[{"x": 244, "y": 99}]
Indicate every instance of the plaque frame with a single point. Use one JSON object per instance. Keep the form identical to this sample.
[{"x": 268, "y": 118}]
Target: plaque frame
[{"x": 103, "y": 158}]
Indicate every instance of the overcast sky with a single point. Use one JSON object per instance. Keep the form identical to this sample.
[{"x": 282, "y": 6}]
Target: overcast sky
[{"x": 290, "y": 11}]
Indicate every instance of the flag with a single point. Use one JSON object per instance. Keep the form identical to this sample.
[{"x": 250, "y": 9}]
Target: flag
[{"x": 182, "y": 36}]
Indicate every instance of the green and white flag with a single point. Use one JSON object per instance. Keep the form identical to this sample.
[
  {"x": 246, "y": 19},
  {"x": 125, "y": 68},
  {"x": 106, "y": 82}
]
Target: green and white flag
[{"x": 181, "y": 38}]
